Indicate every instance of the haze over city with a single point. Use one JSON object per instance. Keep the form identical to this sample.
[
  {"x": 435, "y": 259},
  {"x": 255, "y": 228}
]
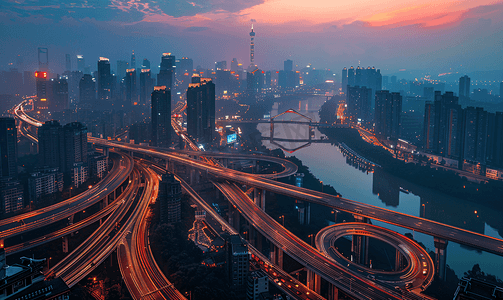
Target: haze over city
[{"x": 431, "y": 36}]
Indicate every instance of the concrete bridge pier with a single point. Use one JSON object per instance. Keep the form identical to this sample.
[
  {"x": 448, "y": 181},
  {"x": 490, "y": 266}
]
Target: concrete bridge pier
[
  {"x": 360, "y": 245},
  {"x": 398, "y": 260},
  {"x": 259, "y": 198},
  {"x": 192, "y": 175},
  {"x": 440, "y": 257},
  {"x": 106, "y": 151},
  {"x": 360, "y": 249},
  {"x": 65, "y": 244},
  {"x": 277, "y": 255},
  {"x": 313, "y": 281},
  {"x": 333, "y": 292}
]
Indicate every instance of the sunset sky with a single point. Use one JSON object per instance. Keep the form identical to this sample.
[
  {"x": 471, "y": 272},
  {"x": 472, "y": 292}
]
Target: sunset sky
[{"x": 438, "y": 35}]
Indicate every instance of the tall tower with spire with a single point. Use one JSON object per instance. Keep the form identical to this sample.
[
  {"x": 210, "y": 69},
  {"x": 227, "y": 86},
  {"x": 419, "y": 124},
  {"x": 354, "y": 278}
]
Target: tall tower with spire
[{"x": 252, "y": 47}]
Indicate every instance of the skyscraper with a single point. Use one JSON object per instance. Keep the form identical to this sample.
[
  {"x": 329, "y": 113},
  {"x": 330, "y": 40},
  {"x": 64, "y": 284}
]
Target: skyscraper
[
  {"x": 51, "y": 145},
  {"x": 254, "y": 81},
  {"x": 186, "y": 66},
  {"x": 68, "y": 63},
  {"x": 288, "y": 65},
  {"x": 464, "y": 87},
  {"x": 104, "y": 80},
  {"x": 130, "y": 82},
  {"x": 59, "y": 99},
  {"x": 43, "y": 91},
  {"x": 87, "y": 90},
  {"x": 145, "y": 64},
  {"x": 220, "y": 65},
  {"x": 161, "y": 116},
  {"x": 166, "y": 74},
  {"x": 122, "y": 66},
  {"x": 169, "y": 198},
  {"x": 388, "y": 110},
  {"x": 8, "y": 147},
  {"x": 201, "y": 109},
  {"x": 81, "y": 63},
  {"x": 133, "y": 61},
  {"x": 145, "y": 85},
  {"x": 234, "y": 65}
]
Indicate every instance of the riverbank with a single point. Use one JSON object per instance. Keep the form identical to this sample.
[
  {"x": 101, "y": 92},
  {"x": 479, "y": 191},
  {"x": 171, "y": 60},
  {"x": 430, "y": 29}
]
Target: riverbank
[{"x": 441, "y": 180}]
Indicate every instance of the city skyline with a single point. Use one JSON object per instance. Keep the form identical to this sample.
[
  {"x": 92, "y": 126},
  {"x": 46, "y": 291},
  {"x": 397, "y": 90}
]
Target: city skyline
[{"x": 453, "y": 36}]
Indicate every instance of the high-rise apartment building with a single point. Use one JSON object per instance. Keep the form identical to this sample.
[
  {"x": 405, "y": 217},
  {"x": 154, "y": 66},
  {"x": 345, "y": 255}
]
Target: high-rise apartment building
[
  {"x": 87, "y": 90},
  {"x": 146, "y": 85},
  {"x": 145, "y": 64},
  {"x": 43, "y": 182},
  {"x": 288, "y": 65},
  {"x": 59, "y": 100},
  {"x": 8, "y": 148},
  {"x": 358, "y": 100},
  {"x": 186, "y": 67},
  {"x": 81, "y": 63},
  {"x": 221, "y": 65},
  {"x": 370, "y": 78},
  {"x": 464, "y": 87},
  {"x": 238, "y": 262},
  {"x": 68, "y": 62},
  {"x": 75, "y": 145},
  {"x": 344, "y": 80},
  {"x": 161, "y": 116},
  {"x": 475, "y": 134},
  {"x": 258, "y": 283},
  {"x": 130, "y": 82},
  {"x": 169, "y": 197},
  {"x": 387, "y": 117},
  {"x": 62, "y": 147},
  {"x": 51, "y": 145},
  {"x": 133, "y": 61},
  {"x": 166, "y": 75},
  {"x": 104, "y": 80},
  {"x": 443, "y": 126},
  {"x": 201, "y": 109},
  {"x": 11, "y": 195},
  {"x": 122, "y": 66}
]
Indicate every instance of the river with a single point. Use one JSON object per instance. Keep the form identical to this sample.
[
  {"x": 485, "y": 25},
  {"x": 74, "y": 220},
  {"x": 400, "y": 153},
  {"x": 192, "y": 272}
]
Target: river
[{"x": 381, "y": 189}]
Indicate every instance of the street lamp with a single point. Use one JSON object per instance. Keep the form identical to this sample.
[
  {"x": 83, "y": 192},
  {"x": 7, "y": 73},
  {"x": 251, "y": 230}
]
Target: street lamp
[
  {"x": 321, "y": 185},
  {"x": 424, "y": 209},
  {"x": 282, "y": 217},
  {"x": 312, "y": 237}
]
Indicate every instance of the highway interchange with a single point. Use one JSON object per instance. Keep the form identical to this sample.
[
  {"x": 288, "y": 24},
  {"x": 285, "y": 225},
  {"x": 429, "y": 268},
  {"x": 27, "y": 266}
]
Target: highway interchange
[{"x": 313, "y": 259}]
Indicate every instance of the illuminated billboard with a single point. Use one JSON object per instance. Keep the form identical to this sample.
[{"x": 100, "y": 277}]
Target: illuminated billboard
[{"x": 232, "y": 138}]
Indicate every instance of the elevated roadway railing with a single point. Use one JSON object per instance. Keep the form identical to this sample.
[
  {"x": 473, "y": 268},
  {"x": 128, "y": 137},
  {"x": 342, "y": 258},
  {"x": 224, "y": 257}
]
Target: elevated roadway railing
[
  {"x": 20, "y": 224},
  {"x": 429, "y": 227}
]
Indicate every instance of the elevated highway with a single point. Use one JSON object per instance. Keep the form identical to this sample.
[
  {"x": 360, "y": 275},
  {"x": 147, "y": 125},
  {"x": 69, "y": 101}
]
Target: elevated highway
[
  {"x": 20, "y": 224},
  {"x": 419, "y": 270},
  {"x": 429, "y": 227},
  {"x": 143, "y": 277}
]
